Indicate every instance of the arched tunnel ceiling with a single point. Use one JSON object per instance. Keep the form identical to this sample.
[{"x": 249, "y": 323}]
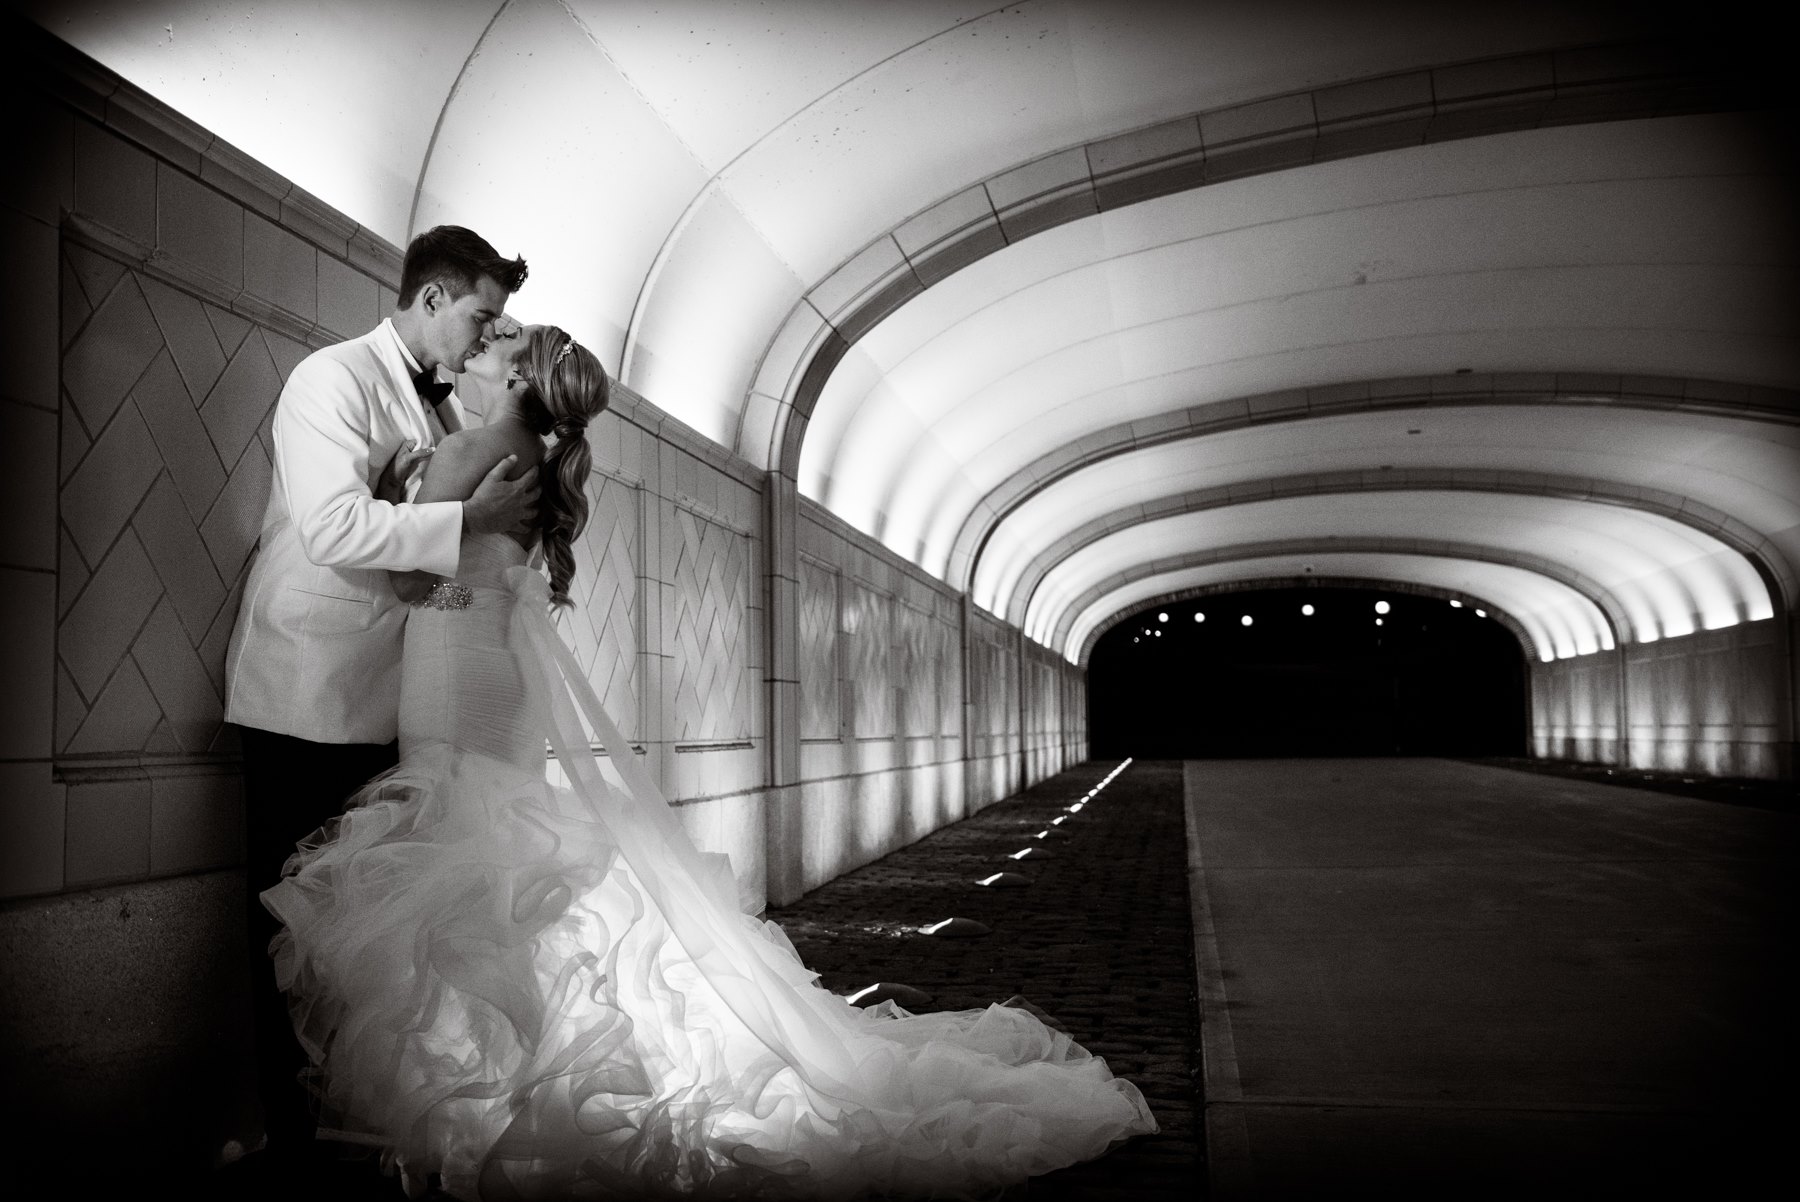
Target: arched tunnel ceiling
[
  {"x": 1566, "y": 252},
  {"x": 681, "y": 173},
  {"x": 694, "y": 182},
  {"x": 1704, "y": 466},
  {"x": 1654, "y": 577},
  {"x": 1546, "y": 630}
]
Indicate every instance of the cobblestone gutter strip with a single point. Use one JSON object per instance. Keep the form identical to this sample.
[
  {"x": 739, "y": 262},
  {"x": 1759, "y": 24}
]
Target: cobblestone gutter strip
[{"x": 1101, "y": 940}]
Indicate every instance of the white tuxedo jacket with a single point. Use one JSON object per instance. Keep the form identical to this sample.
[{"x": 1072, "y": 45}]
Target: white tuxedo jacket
[{"x": 316, "y": 650}]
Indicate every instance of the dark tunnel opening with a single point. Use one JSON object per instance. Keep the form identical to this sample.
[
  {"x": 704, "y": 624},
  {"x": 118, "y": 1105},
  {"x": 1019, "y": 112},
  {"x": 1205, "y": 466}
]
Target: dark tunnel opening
[{"x": 1314, "y": 672}]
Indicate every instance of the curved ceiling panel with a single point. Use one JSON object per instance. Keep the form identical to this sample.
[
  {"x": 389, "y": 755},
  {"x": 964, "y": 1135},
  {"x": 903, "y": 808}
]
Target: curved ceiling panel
[
  {"x": 1736, "y": 467},
  {"x": 1416, "y": 397},
  {"x": 541, "y": 93},
  {"x": 339, "y": 96},
  {"x": 1547, "y": 611},
  {"x": 1664, "y": 578},
  {"x": 1571, "y": 634},
  {"x": 912, "y": 104},
  {"x": 1634, "y": 246},
  {"x": 678, "y": 173}
]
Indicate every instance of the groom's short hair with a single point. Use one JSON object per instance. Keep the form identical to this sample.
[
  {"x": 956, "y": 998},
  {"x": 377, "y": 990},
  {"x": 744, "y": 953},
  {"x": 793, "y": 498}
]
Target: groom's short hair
[{"x": 456, "y": 257}]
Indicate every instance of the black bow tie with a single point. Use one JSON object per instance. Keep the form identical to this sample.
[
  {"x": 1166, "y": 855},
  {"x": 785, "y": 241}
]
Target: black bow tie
[{"x": 426, "y": 382}]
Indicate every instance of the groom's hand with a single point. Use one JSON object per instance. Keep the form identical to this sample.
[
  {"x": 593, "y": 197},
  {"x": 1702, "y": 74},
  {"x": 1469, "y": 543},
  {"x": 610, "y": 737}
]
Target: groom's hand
[
  {"x": 499, "y": 505},
  {"x": 391, "y": 487}
]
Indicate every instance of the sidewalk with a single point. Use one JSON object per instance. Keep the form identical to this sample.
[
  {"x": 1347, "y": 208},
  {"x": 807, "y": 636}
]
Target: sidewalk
[{"x": 1101, "y": 940}]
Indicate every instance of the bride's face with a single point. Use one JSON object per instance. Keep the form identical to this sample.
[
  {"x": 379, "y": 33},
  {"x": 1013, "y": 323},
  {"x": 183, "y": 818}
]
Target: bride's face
[{"x": 496, "y": 364}]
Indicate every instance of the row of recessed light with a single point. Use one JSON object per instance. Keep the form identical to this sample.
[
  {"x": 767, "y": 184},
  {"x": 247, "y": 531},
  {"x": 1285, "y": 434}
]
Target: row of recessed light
[
  {"x": 1055, "y": 827},
  {"x": 967, "y": 928},
  {"x": 1381, "y": 607}
]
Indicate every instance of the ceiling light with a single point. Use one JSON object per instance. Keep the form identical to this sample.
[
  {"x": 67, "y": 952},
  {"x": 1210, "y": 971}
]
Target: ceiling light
[
  {"x": 1162, "y": 617},
  {"x": 1481, "y": 613},
  {"x": 1199, "y": 617},
  {"x": 1307, "y": 610},
  {"x": 1456, "y": 605},
  {"x": 1248, "y": 620},
  {"x": 1381, "y": 607}
]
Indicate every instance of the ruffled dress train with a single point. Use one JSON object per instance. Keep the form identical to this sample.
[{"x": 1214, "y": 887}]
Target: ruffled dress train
[{"x": 546, "y": 991}]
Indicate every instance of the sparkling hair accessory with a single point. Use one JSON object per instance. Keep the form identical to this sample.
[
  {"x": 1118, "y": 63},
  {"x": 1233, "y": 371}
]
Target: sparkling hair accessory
[{"x": 566, "y": 348}]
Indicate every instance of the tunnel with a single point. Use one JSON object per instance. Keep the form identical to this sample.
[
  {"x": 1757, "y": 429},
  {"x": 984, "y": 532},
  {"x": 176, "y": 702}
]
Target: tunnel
[
  {"x": 1307, "y": 672},
  {"x": 1226, "y": 405}
]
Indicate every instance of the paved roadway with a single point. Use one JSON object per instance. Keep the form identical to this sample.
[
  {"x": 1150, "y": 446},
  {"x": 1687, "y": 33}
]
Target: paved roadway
[
  {"x": 1370, "y": 978},
  {"x": 1420, "y": 978},
  {"x": 1426, "y": 978}
]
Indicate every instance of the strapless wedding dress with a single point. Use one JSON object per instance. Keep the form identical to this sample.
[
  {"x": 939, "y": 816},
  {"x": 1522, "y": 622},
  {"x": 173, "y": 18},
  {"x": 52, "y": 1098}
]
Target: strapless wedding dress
[{"x": 548, "y": 992}]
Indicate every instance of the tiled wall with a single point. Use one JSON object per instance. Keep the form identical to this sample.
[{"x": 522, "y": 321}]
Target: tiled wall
[
  {"x": 164, "y": 469},
  {"x": 164, "y": 289},
  {"x": 157, "y": 297},
  {"x": 1712, "y": 703},
  {"x": 897, "y": 738}
]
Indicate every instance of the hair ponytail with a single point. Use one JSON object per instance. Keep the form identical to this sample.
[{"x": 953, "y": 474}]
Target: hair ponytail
[
  {"x": 571, "y": 388},
  {"x": 562, "y": 480}
]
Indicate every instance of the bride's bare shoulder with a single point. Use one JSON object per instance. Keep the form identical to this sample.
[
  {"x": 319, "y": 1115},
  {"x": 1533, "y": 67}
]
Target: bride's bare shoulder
[
  {"x": 519, "y": 441},
  {"x": 463, "y": 458}
]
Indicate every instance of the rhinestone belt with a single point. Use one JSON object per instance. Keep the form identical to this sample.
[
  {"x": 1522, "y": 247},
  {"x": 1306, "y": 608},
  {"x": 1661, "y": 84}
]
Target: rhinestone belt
[{"x": 446, "y": 594}]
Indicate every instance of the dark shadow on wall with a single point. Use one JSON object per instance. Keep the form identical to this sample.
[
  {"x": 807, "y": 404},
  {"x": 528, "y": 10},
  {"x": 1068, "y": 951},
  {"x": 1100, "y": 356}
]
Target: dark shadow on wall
[{"x": 1429, "y": 679}]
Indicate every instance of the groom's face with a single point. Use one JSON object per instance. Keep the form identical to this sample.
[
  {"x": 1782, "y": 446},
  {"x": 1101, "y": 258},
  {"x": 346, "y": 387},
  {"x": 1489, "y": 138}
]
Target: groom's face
[{"x": 459, "y": 327}]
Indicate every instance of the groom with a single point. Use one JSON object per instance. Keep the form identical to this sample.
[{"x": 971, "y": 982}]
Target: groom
[{"x": 313, "y": 673}]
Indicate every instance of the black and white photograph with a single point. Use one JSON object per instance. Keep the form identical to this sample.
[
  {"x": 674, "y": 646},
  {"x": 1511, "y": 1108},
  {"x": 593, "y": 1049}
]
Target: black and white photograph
[{"x": 871, "y": 600}]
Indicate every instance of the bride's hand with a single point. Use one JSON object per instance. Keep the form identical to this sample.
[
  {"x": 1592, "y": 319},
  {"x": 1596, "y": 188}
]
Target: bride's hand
[{"x": 391, "y": 487}]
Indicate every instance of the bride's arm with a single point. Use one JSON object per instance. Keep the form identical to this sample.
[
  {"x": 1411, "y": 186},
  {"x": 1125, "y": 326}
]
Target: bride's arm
[{"x": 456, "y": 468}]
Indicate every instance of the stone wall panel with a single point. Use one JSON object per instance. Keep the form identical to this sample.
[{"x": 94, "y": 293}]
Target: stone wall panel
[
  {"x": 820, "y": 688},
  {"x": 709, "y": 633}
]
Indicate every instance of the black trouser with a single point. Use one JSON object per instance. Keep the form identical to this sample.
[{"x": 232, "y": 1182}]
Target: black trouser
[{"x": 291, "y": 789}]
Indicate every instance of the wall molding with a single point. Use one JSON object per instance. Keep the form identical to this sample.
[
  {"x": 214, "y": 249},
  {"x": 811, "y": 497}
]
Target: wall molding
[
  {"x": 85, "y": 770},
  {"x": 105, "y": 97},
  {"x": 167, "y": 269}
]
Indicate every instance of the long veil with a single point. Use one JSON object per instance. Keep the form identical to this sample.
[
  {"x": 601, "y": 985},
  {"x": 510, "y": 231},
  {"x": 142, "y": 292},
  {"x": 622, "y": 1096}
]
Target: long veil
[
  {"x": 750, "y": 965},
  {"x": 551, "y": 991}
]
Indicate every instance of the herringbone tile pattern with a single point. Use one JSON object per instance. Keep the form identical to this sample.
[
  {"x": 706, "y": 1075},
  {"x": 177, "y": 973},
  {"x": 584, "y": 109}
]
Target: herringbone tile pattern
[
  {"x": 164, "y": 466},
  {"x": 868, "y": 635},
  {"x": 710, "y": 635},
  {"x": 819, "y": 692},
  {"x": 603, "y": 625},
  {"x": 924, "y": 656},
  {"x": 992, "y": 686},
  {"x": 1041, "y": 715}
]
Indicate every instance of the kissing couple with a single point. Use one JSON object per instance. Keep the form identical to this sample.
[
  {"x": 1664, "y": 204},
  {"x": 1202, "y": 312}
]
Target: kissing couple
[{"x": 512, "y": 988}]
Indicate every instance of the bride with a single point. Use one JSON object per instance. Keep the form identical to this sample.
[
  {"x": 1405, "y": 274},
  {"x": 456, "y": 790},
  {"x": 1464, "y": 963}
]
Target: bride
[{"x": 541, "y": 991}]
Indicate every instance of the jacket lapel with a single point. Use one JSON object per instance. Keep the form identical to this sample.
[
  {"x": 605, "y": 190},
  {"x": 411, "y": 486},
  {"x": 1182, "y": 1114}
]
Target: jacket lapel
[{"x": 402, "y": 400}]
